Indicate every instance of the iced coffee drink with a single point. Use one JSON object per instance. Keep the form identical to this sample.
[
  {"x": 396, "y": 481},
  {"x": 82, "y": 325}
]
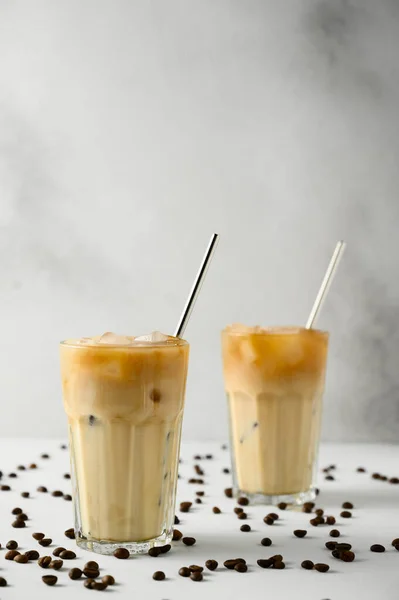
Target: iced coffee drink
[
  {"x": 124, "y": 399},
  {"x": 274, "y": 380}
]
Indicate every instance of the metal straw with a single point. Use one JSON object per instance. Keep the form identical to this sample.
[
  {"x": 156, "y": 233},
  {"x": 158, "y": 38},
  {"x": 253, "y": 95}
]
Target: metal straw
[
  {"x": 325, "y": 284},
  {"x": 185, "y": 316}
]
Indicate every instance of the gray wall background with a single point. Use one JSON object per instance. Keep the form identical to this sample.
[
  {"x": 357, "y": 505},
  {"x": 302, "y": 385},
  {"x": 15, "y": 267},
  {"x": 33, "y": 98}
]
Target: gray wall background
[{"x": 130, "y": 131}]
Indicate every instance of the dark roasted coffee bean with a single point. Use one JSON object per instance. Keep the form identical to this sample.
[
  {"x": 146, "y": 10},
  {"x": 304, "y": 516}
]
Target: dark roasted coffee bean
[
  {"x": 58, "y": 551},
  {"x": 265, "y": 563},
  {"x": 44, "y": 562},
  {"x": 12, "y": 545},
  {"x": 32, "y": 554},
  {"x": 195, "y": 568},
  {"x": 241, "y": 568},
  {"x": 108, "y": 580},
  {"x": 5, "y": 488},
  {"x": 33, "y": 466},
  {"x": 185, "y": 506},
  {"x": 89, "y": 583},
  {"x": 184, "y": 572},
  {"x": 376, "y": 476},
  {"x": 189, "y": 541},
  {"x": 44, "y": 455},
  {"x": 21, "y": 558},
  {"x": 57, "y": 565},
  {"x": 177, "y": 535},
  {"x": 92, "y": 564},
  {"x": 69, "y": 533},
  {"x": 335, "y": 533},
  {"x": 75, "y": 573},
  {"x": 319, "y": 512},
  {"x": 238, "y": 510},
  {"x": 67, "y": 555},
  {"x": 45, "y": 542},
  {"x": 330, "y": 520},
  {"x": 306, "y": 509},
  {"x": 230, "y": 563},
  {"x": 245, "y": 528},
  {"x": 342, "y": 546},
  {"x": 67, "y": 497},
  {"x": 38, "y": 536},
  {"x": 124, "y": 553},
  {"x": 330, "y": 545},
  {"x": 158, "y": 575},
  {"x": 177, "y": 520},
  {"x": 25, "y": 494},
  {"x": 21, "y": 468},
  {"x": 226, "y": 470},
  {"x": 49, "y": 579},
  {"x": 18, "y": 524},
  {"x": 361, "y": 470},
  {"x": 315, "y": 522},
  {"x": 12, "y": 475},
  {"x": 347, "y": 505},
  {"x": 216, "y": 510},
  {"x": 266, "y": 541},
  {"x": 57, "y": 493},
  {"x": 165, "y": 549},
  {"x": 16, "y": 511},
  {"x": 154, "y": 552},
  {"x": 268, "y": 520},
  {"x": 377, "y": 548},
  {"x": 395, "y": 542},
  {"x": 329, "y": 477},
  {"x": 321, "y": 567},
  {"x": 347, "y": 555},
  {"x": 211, "y": 564},
  {"x": 274, "y": 516},
  {"x": 242, "y": 501},
  {"x": 67, "y": 476},
  {"x": 209, "y": 456},
  {"x": 300, "y": 533},
  {"x": 394, "y": 480},
  {"x": 11, "y": 554},
  {"x": 282, "y": 505},
  {"x": 228, "y": 492},
  {"x": 276, "y": 558},
  {"x": 99, "y": 586},
  {"x": 22, "y": 517},
  {"x": 346, "y": 514},
  {"x": 196, "y": 576},
  {"x": 309, "y": 505},
  {"x": 200, "y": 494},
  {"x": 91, "y": 573},
  {"x": 307, "y": 564},
  {"x": 198, "y": 501},
  {"x": 42, "y": 489},
  {"x": 242, "y": 516},
  {"x": 3, "y": 582},
  {"x": 383, "y": 477},
  {"x": 279, "y": 564},
  {"x": 336, "y": 554}
]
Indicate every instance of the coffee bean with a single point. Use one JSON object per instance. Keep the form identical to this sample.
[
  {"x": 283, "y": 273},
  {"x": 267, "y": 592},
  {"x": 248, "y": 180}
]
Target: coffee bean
[
  {"x": 21, "y": 558},
  {"x": 184, "y": 572},
  {"x": 196, "y": 576},
  {"x": 307, "y": 564},
  {"x": 3, "y": 582},
  {"x": 67, "y": 476},
  {"x": 91, "y": 573},
  {"x": 198, "y": 470},
  {"x": 18, "y": 524},
  {"x": 330, "y": 520},
  {"x": 108, "y": 580},
  {"x": 276, "y": 558},
  {"x": 228, "y": 492},
  {"x": 300, "y": 533},
  {"x": 25, "y": 494},
  {"x": 45, "y": 542},
  {"x": 12, "y": 475},
  {"x": 330, "y": 545},
  {"x": 58, "y": 551},
  {"x": 242, "y": 516},
  {"x": 49, "y": 579},
  {"x": 12, "y": 545},
  {"x": 309, "y": 505},
  {"x": 321, "y": 567},
  {"x": 16, "y": 511},
  {"x": 21, "y": 468},
  {"x": 197, "y": 457},
  {"x": 383, "y": 477},
  {"x": 335, "y": 533},
  {"x": 89, "y": 583},
  {"x": 211, "y": 564},
  {"x": 336, "y": 554},
  {"x": 347, "y": 556},
  {"x": 346, "y": 514},
  {"x": 124, "y": 553},
  {"x": 44, "y": 561},
  {"x": 92, "y": 564},
  {"x": 195, "y": 568},
  {"x": 200, "y": 494},
  {"x": 319, "y": 512},
  {"x": 11, "y": 554},
  {"x": 177, "y": 535},
  {"x": 226, "y": 471},
  {"x": 264, "y": 563},
  {"x": 268, "y": 520},
  {"x": 69, "y": 533},
  {"x": 315, "y": 522},
  {"x": 242, "y": 501},
  {"x": 5, "y": 488},
  {"x": 22, "y": 517},
  {"x": 377, "y": 548},
  {"x": 282, "y": 505},
  {"x": 376, "y": 476},
  {"x": 231, "y": 562},
  {"x": 154, "y": 552},
  {"x": 177, "y": 520},
  {"x": 38, "y": 536},
  {"x": 193, "y": 480},
  {"x": 33, "y": 466},
  {"x": 238, "y": 510},
  {"x": 329, "y": 478},
  {"x": 245, "y": 528},
  {"x": 164, "y": 549},
  {"x": 209, "y": 456},
  {"x": 394, "y": 480},
  {"x": 198, "y": 501},
  {"x": 279, "y": 564},
  {"x": 158, "y": 575},
  {"x": 67, "y": 497},
  {"x": 342, "y": 546},
  {"x": 241, "y": 568},
  {"x": 347, "y": 505},
  {"x": 306, "y": 509},
  {"x": 395, "y": 542},
  {"x": 75, "y": 573},
  {"x": 56, "y": 564},
  {"x": 185, "y": 506},
  {"x": 44, "y": 455},
  {"x": 189, "y": 541},
  {"x": 361, "y": 470},
  {"x": 42, "y": 489},
  {"x": 57, "y": 493},
  {"x": 32, "y": 554},
  {"x": 216, "y": 510},
  {"x": 67, "y": 554},
  {"x": 266, "y": 541},
  {"x": 98, "y": 585}
]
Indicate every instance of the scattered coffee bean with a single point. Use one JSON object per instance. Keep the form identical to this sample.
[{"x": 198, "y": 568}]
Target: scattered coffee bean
[
  {"x": 329, "y": 478},
  {"x": 32, "y": 554},
  {"x": 33, "y": 466},
  {"x": 196, "y": 576},
  {"x": 21, "y": 558},
  {"x": 282, "y": 505},
  {"x": 336, "y": 554},
  {"x": 69, "y": 533},
  {"x": 209, "y": 456},
  {"x": 184, "y": 572},
  {"x": 377, "y": 548},
  {"x": 266, "y": 541},
  {"x": 231, "y": 563},
  {"x": 361, "y": 470},
  {"x": 11, "y": 554},
  {"x": 268, "y": 520},
  {"x": 198, "y": 470},
  {"x": 330, "y": 520},
  {"x": 309, "y": 505},
  {"x": 228, "y": 492},
  {"x": 394, "y": 480},
  {"x": 108, "y": 580},
  {"x": 49, "y": 579},
  {"x": 67, "y": 497},
  {"x": 67, "y": 554},
  {"x": 395, "y": 542},
  {"x": 22, "y": 517},
  {"x": 98, "y": 585},
  {"x": 3, "y": 582},
  {"x": 12, "y": 475},
  {"x": 319, "y": 512},
  {"x": 91, "y": 573},
  {"x": 216, "y": 510},
  {"x": 185, "y": 506},
  {"x": 307, "y": 564},
  {"x": 276, "y": 558},
  {"x": 342, "y": 546},
  {"x": 177, "y": 520},
  {"x": 189, "y": 541},
  {"x": 265, "y": 563},
  {"x": 67, "y": 476},
  {"x": 57, "y": 565},
  {"x": 12, "y": 545},
  {"x": 25, "y": 494},
  {"x": 38, "y": 536},
  {"x": 58, "y": 551},
  {"x": 306, "y": 509},
  {"x": 177, "y": 535},
  {"x": 330, "y": 545},
  {"x": 346, "y": 514},
  {"x": 242, "y": 516},
  {"x": 238, "y": 510},
  {"x": 300, "y": 533},
  {"x": 44, "y": 562},
  {"x": 211, "y": 564},
  {"x": 347, "y": 505},
  {"x": 242, "y": 501},
  {"x": 335, "y": 533},
  {"x": 195, "y": 568},
  {"x": 154, "y": 552},
  {"x": 42, "y": 489},
  {"x": 21, "y": 468},
  {"x": 75, "y": 573},
  {"x": 16, "y": 511},
  {"x": 315, "y": 522},
  {"x": 200, "y": 494},
  {"x": 89, "y": 583},
  {"x": 5, "y": 488},
  {"x": 241, "y": 568},
  {"x": 45, "y": 542},
  {"x": 57, "y": 493},
  {"x": 197, "y": 457},
  {"x": 346, "y": 555},
  {"x": 165, "y": 549},
  {"x": 383, "y": 477},
  {"x": 245, "y": 528},
  {"x": 321, "y": 567},
  {"x": 124, "y": 553},
  {"x": 226, "y": 470},
  {"x": 279, "y": 564},
  {"x": 92, "y": 564},
  {"x": 193, "y": 480},
  {"x": 18, "y": 524},
  {"x": 198, "y": 501}
]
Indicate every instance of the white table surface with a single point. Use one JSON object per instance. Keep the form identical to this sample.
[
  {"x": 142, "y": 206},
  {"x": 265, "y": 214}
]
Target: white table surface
[{"x": 375, "y": 520}]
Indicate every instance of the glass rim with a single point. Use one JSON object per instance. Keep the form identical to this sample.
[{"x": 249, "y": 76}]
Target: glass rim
[
  {"x": 74, "y": 343},
  {"x": 275, "y": 331}
]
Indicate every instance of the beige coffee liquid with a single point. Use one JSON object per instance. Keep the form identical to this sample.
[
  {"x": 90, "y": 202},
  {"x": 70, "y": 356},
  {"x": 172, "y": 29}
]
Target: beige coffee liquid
[
  {"x": 125, "y": 408},
  {"x": 274, "y": 381}
]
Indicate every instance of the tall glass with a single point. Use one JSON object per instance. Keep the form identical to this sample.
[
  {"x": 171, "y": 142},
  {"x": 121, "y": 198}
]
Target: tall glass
[
  {"x": 125, "y": 407},
  {"x": 274, "y": 380}
]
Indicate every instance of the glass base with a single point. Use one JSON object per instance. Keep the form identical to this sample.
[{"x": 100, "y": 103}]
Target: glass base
[
  {"x": 297, "y": 499},
  {"x": 109, "y": 547}
]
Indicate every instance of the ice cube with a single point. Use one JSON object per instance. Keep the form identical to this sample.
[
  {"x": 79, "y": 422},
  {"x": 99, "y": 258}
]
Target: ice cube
[
  {"x": 85, "y": 341},
  {"x": 152, "y": 338},
  {"x": 114, "y": 339}
]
